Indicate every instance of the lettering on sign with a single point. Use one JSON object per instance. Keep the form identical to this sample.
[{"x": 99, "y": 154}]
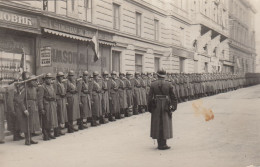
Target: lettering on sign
[
  {"x": 70, "y": 57},
  {"x": 15, "y": 18},
  {"x": 45, "y": 57}
]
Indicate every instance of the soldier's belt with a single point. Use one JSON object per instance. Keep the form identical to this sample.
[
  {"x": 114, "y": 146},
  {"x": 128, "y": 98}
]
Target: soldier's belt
[
  {"x": 49, "y": 98},
  {"x": 162, "y": 97},
  {"x": 32, "y": 99}
]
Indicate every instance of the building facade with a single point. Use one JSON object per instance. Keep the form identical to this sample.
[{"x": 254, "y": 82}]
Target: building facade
[
  {"x": 242, "y": 35},
  {"x": 133, "y": 35}
]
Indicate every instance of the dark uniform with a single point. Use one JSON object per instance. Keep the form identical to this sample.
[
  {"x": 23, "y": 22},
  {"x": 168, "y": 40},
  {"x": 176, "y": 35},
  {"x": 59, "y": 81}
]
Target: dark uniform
[
  {"x": 105, "y": 98},
  {"x": 138, "y": 101},
  {"x": 162, "y": 102},
  {"x": 114, "y": 97},
  {"x": 129, "y": 94},
  {"x": 2, "y": 113},
  {"x": 122, "y": 94},
  {"x": 48, "y": 107},
  {"x": 96, "y": 98}
]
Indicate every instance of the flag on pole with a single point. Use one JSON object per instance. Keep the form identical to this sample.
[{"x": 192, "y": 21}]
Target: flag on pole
[
  {"x": 95, "y": 48},
  {"x": 22, "y": 62}
]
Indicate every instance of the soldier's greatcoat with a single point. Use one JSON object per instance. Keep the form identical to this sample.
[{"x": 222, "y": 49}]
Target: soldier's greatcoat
[
  {"x": 105, "y": 97},
  {"x": 61, "y": 102},
  {"x": 137, "y": 92},
  {"x": 161, "y": 122},
  {"x": 2, "y": 111},
  {"x": 114, "y": 101},
  {"x": 96, "y": 98},
  {"x": 143, "y": 91},
  {"x": 122, "y": 93},
  {"x": 129, "y": 93},
  {"x": 47, "y": 102},
  {"x": 73, "y": 101},
  {"x": 86, "y": 100}
]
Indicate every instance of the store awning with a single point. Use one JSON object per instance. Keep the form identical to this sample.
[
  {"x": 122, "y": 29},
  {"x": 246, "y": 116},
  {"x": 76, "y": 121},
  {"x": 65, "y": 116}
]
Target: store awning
[
  {"x": 66, "y": 35},
  {"x": 107, "y": 42}
]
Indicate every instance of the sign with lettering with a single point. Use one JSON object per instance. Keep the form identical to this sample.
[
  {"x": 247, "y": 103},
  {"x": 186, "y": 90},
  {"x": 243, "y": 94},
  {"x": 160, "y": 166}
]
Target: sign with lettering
[
  {"x": 45, "y": 57},
  {"x": 17, "y": 18}
]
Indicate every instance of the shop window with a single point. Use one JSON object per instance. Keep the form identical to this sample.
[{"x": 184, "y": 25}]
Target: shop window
[
  {"x": 138, "y": 23},
  {"x": 88, "y": 7},
  {"x": 138, "y": 63},
  {"x": 116, "y": 16},
  {"x": 156, "y": 29},
  {"x": 156, "y": 64},
  {"x": 181, "y": 65},
  {"x": 116, "y": 61}
]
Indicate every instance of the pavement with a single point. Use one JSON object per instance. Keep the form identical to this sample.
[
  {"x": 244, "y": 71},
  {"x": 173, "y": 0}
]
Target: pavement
[{"x": 230, "y": 138}]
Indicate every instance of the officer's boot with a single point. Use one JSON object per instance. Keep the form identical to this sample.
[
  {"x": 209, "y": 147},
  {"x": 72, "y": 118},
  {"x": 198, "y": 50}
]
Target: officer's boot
[
  {"x": 50, "y": 135},
  {"x": 27, "y": 139},
  {"x": 56, "y": 132}
]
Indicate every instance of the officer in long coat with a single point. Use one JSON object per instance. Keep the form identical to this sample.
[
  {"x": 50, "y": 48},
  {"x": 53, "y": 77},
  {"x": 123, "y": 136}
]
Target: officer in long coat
[
  {"x": 73, "y": 101},
  {"x": 85, "y": 99},
  {"x": 2, "y": 114},
  {"x": 105, "y": 98},
  {"x": 61, "y": 103},
  {"x": 48, "y": 107},
  {"x": 129, "y": 94},
  {"x": 162, "y": 102},
  {"x": 96, "y": 99}
]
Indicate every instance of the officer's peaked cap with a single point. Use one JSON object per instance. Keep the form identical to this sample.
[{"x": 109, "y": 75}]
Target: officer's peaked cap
[{"x": 161, "y": 73}]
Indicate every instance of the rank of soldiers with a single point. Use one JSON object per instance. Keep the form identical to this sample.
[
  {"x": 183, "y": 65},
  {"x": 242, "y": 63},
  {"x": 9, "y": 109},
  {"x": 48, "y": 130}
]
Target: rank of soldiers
[{"x": 59, "y": 103}]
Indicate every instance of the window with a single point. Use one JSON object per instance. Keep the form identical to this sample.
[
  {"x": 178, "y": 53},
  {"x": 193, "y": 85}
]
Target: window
[
  {"x": 138, "y": 23},
  {"x": 116, "y": 61},
  {"x": 181, "y": 65},
  {"x": 116, "y": 16},
  {"x": 196, "y": 66},
  {"x": 156, "y": 30},
  {"x": 156, "y": 64},
  {"x": 206, "y": 67},
  {"x": 88, "y": 7},
  {"x": 72, "y": 5},
  {"x": 138, "y": 63}
]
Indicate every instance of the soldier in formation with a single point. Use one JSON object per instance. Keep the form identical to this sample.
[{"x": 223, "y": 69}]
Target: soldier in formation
[{"x": 50, "y": 104}]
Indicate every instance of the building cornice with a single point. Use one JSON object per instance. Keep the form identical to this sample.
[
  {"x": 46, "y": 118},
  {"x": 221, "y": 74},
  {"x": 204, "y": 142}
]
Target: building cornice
[{"x": 20, "y": 7}]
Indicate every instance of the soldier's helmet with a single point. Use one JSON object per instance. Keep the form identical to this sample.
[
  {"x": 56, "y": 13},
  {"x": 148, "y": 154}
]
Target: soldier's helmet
[
  {"x": 60, "y": 74},
  {"x": 137, "y": 73},
  {"x": 71, "y": 73},
  {"x": 113, "y": 73},
  {"x": 25, "y": 75},
  {"x": 105, "y": 73},
  {"x": 161, "y": 73},
  {"x": 85, "y": 73},
  {"x": 128, "y": 73},
  {"x": 48, "y": 75},
  {"x": 95, "y": 73},
  {"x": 121, "y": 74},
  {"x": 143, "y": 74}
]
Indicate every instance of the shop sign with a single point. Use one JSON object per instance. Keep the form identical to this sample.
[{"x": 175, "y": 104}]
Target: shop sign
[
  {"x": 67, "y": 56},
  {"x": 73, "y": 29},
  {"x": 45, "y": 57},
  {"x": 17, "y": 18}
]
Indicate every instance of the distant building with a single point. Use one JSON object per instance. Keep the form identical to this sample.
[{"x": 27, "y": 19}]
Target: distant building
[{"x": 242, "y": 35}]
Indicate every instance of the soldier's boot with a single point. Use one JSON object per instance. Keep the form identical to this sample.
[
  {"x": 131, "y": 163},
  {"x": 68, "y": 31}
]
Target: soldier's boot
[
  {"x": 17, "y": 136},
  {"x": 94, "y": 121},
  {"x": 80, "y": 124},
  {"x": 60, "y": 132},
  {"x": 27, "y": 139},
  {"x": 45, "y": 135},
  {"x": 50, "y": 135},
  {"x": 136, "y": 111},
  {"x": 112, "y": 118},
  {"x": 70, "y": 128},
  {"x": 127, "y": 112},
  {"x": 103, "y": 120},
  {"x": 56, "y": 132},
  {"x": 32, "y": 141},
  {"x": 122, "y": 113}
]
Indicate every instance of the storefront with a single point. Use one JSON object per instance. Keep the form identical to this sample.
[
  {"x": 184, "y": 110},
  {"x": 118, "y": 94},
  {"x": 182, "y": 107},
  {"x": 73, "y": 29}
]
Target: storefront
[
  {"x": 18, "y": 32},
  {"x": 65, "y": 47}
]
